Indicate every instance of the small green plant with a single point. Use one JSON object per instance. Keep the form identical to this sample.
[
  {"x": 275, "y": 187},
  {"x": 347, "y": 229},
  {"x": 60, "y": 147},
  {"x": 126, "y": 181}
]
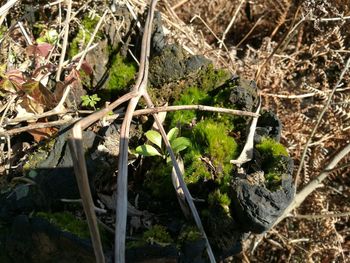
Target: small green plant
[
  {"x": 178, "y": 144},
  {"x": 90, "y": 101},
  {"x": 48, "y": 36}
]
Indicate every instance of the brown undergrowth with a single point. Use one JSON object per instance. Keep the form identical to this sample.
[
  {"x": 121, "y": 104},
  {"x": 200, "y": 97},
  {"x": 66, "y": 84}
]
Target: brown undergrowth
[{"x": 295, "y": 51}]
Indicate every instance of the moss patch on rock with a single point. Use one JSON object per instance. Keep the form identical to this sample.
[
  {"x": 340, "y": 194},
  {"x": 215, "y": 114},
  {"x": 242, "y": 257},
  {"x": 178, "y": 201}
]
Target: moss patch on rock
[
  {"x": 274, "y": 164},
  {"x": 67, "y": 222},
  {"x": 121, "y": 76}
]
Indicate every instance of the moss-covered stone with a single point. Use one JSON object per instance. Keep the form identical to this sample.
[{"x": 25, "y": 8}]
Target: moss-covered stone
[
  {"x": 39, "y": 155},
  {"x": 121, "y": 75},
  {"x": 67, "y": 222},
  {"x": 79, "y": 42},
  {"x": 273, "y": 162}
]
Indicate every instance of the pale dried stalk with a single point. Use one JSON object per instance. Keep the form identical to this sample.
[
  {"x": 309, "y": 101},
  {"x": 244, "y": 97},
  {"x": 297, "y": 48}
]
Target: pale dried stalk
[
  {"x": 65, "y": 40},
  {"x": 319, "y": 119},
  {"x": 221, "y": 42},
  {"x": 247, "y": 152},
  {"x": 91, "y": 39},
  {"x": 6, "y": 7},
  {"x": 112, "y": 117},
  {"x": 76, "y": 148},
  {"x": 195, "y": 107}
]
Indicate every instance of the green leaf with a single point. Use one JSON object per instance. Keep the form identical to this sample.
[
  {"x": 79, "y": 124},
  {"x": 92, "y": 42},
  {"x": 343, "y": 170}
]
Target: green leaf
[
  {"x": 180, "y": 144},
  {"x": 154, "y": 137},
  {"x": 172, "y": 134},
  {"x": 147, "y": 150}
]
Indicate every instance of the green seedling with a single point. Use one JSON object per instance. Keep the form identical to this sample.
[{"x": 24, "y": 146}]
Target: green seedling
[
  {"x": 48, "y": 36},
  {"x": 90, "y": 101},
  {"x": 178, "y": 144}
]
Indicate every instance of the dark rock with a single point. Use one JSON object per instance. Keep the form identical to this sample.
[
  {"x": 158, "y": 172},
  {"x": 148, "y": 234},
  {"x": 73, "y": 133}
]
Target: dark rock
[
  {"x": 152, "y": 253},
  {"x": 33, "y": 240},
  {"x": 244, "y": 94},
  {"x": 158, "y": 38},
  {"x": 269, "y": 125},
  {"x": 173, "y": 64},
  {"x": 194, "y": 251},
  {"x": 255, "y": 207}
]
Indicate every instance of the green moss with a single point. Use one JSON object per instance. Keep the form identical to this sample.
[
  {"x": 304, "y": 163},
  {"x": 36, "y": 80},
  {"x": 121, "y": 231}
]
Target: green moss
[
  {"x": 213, "y": 138},
  {"x": 273, "y": 162},
  {"x": 210, "y": 78},
  {"x": 188, "y": 234},
  {"x": 121, "y": 74},
  {"x": 210, "y": 141},
  {"x": 195, "y": 168},
  {"x": 157, "y": 234},
  {"x": 271, "y": 148},
  {"x": 192, "y": 96},
  {"x": 67, "y": 222},
  {"x": 84, "y": 34},
  {"x": 218, "y": 198}
]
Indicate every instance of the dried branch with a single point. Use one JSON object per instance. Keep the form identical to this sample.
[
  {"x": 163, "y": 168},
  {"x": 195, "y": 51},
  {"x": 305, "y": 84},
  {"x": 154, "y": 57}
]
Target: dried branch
[
  {"x": 221, "y": 42},
  {"x": 314, "y": 184}
]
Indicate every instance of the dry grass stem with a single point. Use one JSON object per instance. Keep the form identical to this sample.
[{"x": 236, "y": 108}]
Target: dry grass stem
[
  {"x": 65, "y": 40},
  {"x": 91, "y": 39}
]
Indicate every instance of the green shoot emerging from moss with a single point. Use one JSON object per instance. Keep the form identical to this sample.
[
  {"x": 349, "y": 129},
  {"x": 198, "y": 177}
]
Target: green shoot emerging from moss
[{"x": 178, "y": 144}]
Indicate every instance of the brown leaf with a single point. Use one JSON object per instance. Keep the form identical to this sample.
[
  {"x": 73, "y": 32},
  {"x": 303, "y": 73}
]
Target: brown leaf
[
  {"x": 41, "y": 50},
  {"x": 39, "y": 93},
  {"x": 86, "y": 67},
  {"x": 40, "y": 134}
]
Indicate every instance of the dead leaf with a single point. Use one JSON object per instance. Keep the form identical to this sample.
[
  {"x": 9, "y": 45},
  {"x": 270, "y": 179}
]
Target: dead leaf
[
  {"x": 40, "y": 50},
  {"x": 42, "y": 133},
  {"x": 86, "y": 67}
]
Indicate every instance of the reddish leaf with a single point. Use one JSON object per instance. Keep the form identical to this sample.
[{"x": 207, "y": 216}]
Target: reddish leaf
[
  {"x": 16, "y": 77},
  {"x": 42, "y": 133},
  {"x": 41, "y": 50},
  {"x": 86, "y": 67}
]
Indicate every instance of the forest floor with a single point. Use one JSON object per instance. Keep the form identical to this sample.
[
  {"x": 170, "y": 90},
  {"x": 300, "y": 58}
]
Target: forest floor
[{"x": 296, "y": 51}]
